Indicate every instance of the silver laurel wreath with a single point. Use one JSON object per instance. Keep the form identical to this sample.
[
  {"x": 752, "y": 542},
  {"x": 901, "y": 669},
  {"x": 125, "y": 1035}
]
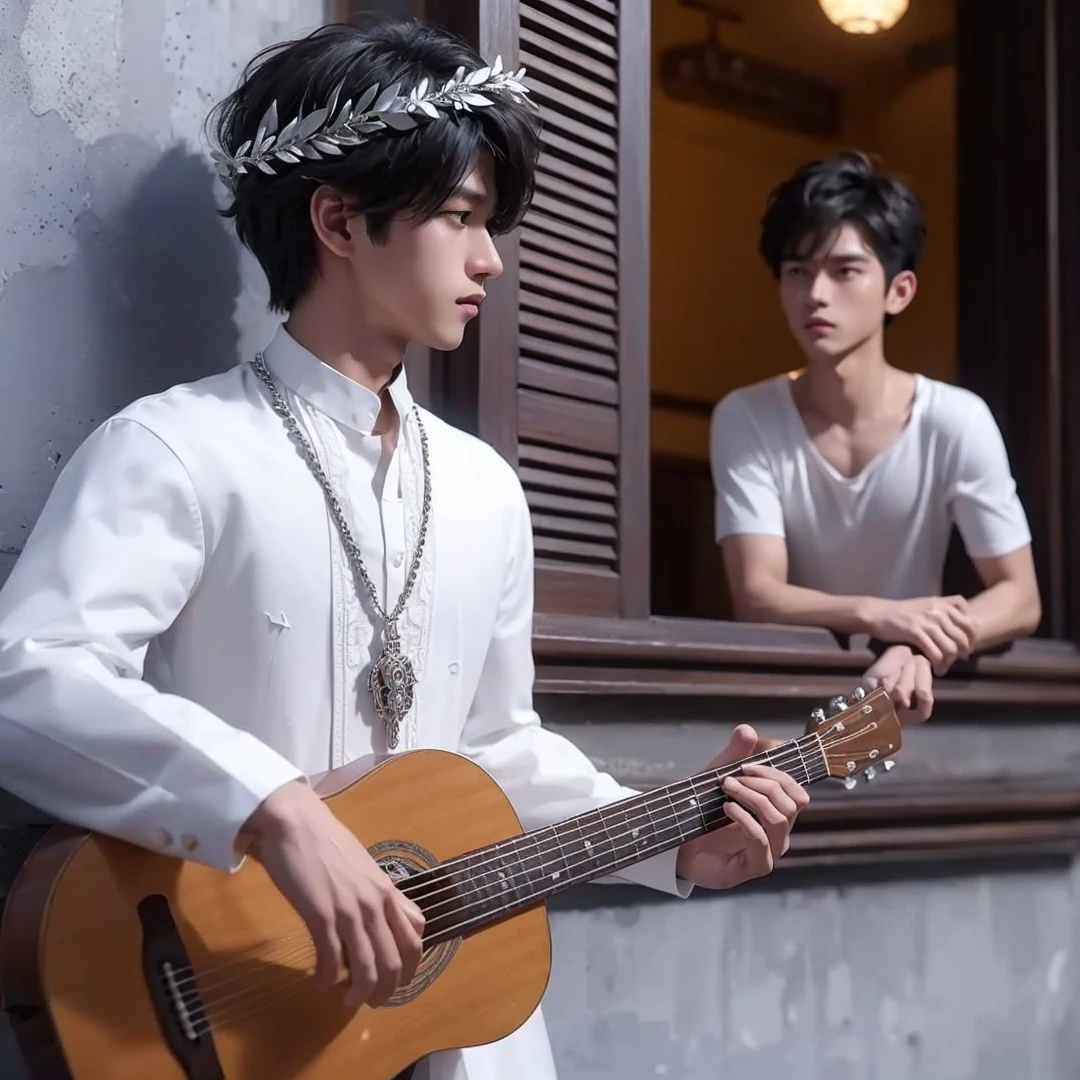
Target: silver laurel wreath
[{"x": 329, "y": 131}]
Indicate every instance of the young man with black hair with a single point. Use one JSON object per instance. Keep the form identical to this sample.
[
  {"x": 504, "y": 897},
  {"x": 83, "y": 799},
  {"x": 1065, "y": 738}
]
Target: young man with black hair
[
  {"x": 837, "y": 486},
  {"x": 242, "y": 582}
]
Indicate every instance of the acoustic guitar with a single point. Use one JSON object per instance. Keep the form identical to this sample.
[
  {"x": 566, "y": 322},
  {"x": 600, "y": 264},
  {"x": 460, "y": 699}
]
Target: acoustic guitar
[{"x": 117, "y": 963}]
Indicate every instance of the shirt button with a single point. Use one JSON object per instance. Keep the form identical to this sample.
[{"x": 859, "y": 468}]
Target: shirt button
[
  {"x": 163, "y": 838},
  {"x": 399, "y": 559},
  {"x": 453, "y": 669},
  {"x": 189, "y": 842}
]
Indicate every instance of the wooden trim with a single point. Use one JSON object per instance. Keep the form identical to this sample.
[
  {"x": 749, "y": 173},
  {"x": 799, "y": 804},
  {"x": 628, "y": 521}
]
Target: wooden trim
[
  {"x": 688, "y": 641},
  {"x": 635, "y": 66},
  {"x": 671, "y": 644},
  {"x": 478, "y": 383},
  {"x": 1068, "y": 247},
  {"x": 1008, "y": 319},
  {"x": 782, "y": 683}
]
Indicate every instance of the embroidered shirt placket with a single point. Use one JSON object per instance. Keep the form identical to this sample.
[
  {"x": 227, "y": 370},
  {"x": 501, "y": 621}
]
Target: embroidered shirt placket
[{"x": 416, "y": 619}]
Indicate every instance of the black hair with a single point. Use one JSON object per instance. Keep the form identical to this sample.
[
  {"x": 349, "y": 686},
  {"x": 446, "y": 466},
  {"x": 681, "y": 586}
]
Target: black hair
[
  {"x": 412, "y": 172},
  {"x": 809, "y": 207}
]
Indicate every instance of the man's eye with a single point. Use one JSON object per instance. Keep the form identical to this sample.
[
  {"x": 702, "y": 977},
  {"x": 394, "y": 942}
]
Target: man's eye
[{"x": 461, "y": 215}]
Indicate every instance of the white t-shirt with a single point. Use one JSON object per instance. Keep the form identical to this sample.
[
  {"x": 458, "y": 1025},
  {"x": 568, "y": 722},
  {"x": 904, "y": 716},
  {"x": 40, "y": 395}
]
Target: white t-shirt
[{"x": 884, "y": 532}]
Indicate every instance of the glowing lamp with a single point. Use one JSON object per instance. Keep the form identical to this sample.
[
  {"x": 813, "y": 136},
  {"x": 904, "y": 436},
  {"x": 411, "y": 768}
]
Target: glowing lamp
[{"x": 864, "y": 16}]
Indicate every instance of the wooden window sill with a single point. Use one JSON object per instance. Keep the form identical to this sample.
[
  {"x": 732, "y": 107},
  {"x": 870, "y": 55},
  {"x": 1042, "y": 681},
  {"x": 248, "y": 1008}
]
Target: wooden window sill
[{"x": 582, "y": 654}]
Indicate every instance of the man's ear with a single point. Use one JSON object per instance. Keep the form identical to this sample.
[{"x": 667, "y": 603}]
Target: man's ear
[
  {"x": 333, "y": 220},
  {"x": 901, "y": 292}
]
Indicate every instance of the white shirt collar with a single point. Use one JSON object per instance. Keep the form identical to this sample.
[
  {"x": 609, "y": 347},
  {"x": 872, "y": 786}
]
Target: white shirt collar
[{"x": 327, "y": 390}]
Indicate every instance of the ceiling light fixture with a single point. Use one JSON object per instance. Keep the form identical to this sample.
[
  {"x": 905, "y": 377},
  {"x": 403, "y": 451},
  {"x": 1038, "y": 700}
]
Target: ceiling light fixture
[{"x": 864, "y": 16}]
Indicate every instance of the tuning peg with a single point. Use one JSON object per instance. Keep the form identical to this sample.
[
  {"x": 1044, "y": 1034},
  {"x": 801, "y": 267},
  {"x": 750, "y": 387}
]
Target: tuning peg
[
  {"x": 850, "y": 782},
  {"x": 858, "y": 693},
  {"x": 870, "y": 772},
  {"x": 818, "y": 716},
  {"x": 838, "y": 704},
  {"x": 888, "y": 765}
]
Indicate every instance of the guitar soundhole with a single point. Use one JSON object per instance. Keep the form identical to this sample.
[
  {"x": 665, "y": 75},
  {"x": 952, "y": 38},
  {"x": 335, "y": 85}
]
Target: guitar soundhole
[
  {"x": 402, "y": 860},
  {"x": 174, "y": 992}
]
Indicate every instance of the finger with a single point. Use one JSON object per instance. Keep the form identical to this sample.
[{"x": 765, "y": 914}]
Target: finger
[
  {"x": 741, "y": 744},
  {"x": 946, "y": 647},
  {"x": 758, "y": 852},
  {"x": 329, "y": 952},
  {"x": 965, "y": 625},
  {"x": 764, "y": 795},
  {"x": 411, "y": 911},
  {"x": 957, "y": 602},
  {"x": 360, "y": 955},
  {"x": 905, "y": 685},
  {"x": 388, "y": 960},
  {"x": 409, "y": 938},
  {"x": 769, "y": 809},
  {"x": 927, "y": 647},
  {"x": 953, "y": 624},
  {"x": 796, "y": 793},
  {"x": 923, "y": 691}
]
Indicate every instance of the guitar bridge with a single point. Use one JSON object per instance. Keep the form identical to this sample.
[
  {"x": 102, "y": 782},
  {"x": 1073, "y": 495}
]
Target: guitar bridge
[{"x": 170, "y": 980}]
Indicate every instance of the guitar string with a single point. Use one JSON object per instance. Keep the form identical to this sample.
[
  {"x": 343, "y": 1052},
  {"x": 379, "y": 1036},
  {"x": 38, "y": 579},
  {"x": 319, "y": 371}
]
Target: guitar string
[
  {"x": 785, "y": 755},
  {"x": 546, "y": 839},
  {"x": 215, "y": 1006},
  {"x": 219, "y": 1017}
]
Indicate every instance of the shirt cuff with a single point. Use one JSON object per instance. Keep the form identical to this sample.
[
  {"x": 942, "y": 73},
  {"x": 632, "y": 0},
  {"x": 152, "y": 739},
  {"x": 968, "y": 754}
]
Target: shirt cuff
[
  {"x": 200, "y": 819},
  {"x": 657, "y": 872}
]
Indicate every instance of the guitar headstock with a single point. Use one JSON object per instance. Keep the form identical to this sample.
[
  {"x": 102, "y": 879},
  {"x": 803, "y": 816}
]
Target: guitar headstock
[{"x": 863, "y": 734}]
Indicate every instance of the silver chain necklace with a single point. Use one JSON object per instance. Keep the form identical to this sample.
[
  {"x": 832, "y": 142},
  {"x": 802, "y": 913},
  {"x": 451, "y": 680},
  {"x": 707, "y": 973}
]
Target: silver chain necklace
[{"x": 392, "y": 679}]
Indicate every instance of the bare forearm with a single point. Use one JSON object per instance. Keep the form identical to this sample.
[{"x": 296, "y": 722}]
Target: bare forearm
[
  {"x": 779, "y": 602},
  {"x": 1004, "y": 612}
]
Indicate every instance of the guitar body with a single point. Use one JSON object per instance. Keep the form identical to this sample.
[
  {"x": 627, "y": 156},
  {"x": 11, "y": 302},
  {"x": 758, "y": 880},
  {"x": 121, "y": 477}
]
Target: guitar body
[{"x": 92, "y": 924}]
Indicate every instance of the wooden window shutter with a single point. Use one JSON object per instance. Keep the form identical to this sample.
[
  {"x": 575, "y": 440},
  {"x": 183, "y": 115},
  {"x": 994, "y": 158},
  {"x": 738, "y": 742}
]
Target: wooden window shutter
[{"x": 571, "y": 307}]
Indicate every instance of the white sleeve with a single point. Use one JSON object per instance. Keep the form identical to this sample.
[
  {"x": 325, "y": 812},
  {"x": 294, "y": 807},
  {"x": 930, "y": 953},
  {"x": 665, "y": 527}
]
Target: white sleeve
[
  {"x": 981, "y": 492},
  {"x": 747, "y": 497},
  {"x": 544, "y": 775},
  {"x": 112, "y": 560}
]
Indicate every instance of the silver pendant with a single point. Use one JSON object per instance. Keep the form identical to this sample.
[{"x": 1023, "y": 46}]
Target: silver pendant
[{"x": 391, "y": 682}]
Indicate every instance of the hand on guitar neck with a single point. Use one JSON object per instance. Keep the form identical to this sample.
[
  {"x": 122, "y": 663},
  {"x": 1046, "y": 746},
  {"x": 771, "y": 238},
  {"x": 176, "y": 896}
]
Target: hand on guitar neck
[
  {"x": 765, "y": 804},
  {"x": 362, "y": 925}
]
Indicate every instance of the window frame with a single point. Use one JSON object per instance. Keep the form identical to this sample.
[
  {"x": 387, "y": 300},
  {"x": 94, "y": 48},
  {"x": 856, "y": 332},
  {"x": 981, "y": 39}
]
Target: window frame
[
  {"x": 997, "y": 97},
  {"x": 644, "y": 662}
]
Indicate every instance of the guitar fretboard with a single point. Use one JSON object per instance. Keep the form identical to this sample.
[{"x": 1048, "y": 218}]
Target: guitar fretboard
[{"x": 490, "y": 883}]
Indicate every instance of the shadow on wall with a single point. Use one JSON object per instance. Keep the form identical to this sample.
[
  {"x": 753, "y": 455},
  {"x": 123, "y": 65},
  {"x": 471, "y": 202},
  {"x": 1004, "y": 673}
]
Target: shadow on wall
[
  {"x": 164, "y": 277},
  {"x": 147, "y": 301}
]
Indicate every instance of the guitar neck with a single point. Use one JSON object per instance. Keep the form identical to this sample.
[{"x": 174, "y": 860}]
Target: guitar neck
[{"x": 490, "y": 883}]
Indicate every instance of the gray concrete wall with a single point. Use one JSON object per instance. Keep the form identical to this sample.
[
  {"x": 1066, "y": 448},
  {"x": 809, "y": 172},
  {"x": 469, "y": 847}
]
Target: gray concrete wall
[
  {"x": 953, "y": 978},
  {"x": 116, "y": 280}
]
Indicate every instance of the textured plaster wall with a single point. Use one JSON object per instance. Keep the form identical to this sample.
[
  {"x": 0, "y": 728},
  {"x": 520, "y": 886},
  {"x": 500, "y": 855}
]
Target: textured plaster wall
[
  {"x": 115, "y": 276},
  {"x": 116, "y": 279}
]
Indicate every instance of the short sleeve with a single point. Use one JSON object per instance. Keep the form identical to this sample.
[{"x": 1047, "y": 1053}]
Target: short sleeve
[
  {"x": 981, "y": 491},
  {"x": 747, "y": 496}
]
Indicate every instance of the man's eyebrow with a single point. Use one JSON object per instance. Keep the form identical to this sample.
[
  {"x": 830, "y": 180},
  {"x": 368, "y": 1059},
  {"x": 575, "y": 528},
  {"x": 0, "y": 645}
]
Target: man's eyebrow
[
  {"x": 470, "y": 194},
  {"x": 838, "y": 256}
]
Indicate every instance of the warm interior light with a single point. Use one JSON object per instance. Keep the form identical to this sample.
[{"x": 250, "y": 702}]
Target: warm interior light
[{"x": 864, "y": 16}]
